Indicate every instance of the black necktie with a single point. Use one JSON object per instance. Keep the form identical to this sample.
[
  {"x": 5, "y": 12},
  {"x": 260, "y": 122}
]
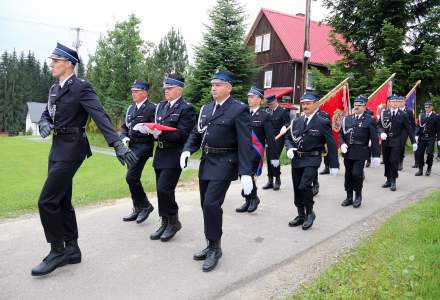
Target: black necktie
[
  {"x": 305, "y": 122},
  {"x": 394, "y": 113},
  {"x": 167, "y": 106},
  {"x": 216, "y": 108}
]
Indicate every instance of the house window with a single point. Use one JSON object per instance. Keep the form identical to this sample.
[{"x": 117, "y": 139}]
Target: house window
[
  {"x": 266, "y": 42},
  {"x": 258, "y": 43},
  {"x": 268, "y": 79},
  {"x": 309, "y": 81}
]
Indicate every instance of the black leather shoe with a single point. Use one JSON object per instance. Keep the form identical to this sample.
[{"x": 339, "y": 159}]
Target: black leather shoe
[
  {"x": 419, "y": 172},
  {"x": 212, "y": 257},
  {"x": 73, "y": 252},
  {"x": 131, "y": 217},
  {"x": 387, "y": 184},
  {"x": 325, "y": 171},
  {"x": 358, "y": 200},
  {"x": 393, "y": 185},
  {"x": 308, "y": 222},
  {"x": 163, "y": 225},
  {"x": 298, "y": 220},
  {"x": 244, "y": 207},
  {"x": 269, "y": 184},
  {"x": 415, "y": 165},
  {"x": 201, "y": 255},
  {"x": 173, "y": 226},
  {"x": 428, "y": 172},
  {"x": 315, "y": 189},
  {"x": 367, "y": 164},
  {"x": 55, "y": 259},
  {"x": 144, "y": 213},
  {"x": 253, "y": 204},
  {"x": 400, "y": 168},
  {"x": 277, "y": 183},
  {"x": 349, "y": 200}
]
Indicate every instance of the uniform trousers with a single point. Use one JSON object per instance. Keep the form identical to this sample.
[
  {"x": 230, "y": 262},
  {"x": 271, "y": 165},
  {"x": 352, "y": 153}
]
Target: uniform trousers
[
  {"x": 428, "y": 146},
  {"x": 166, "y": 182},
  {"x": 271, "y": 170},
  {"x": 391, "y": 159},
  {"x": 133, "y": 179},
  {"x": 302, "y": 187},
  {"x": 354, "y": 174}
]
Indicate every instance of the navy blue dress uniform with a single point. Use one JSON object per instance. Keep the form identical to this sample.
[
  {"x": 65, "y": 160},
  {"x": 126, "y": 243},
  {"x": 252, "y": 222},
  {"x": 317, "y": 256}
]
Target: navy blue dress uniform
[
  {"x": 369, "y": 112},
  {"x": 357, "y": 132},
  {"x": 71, "y": 101},
  {"x": 428, "y": 131},
  {"x": 306, "y": 140},
  {"x": 410, "y": 115},
  {"x": 263, "y": 133},
  {"x": 392, "y": 124},
  {"x": 315, "y": 185},
  {"x": 142, "y": 145},
  {"x": 280, "y": 118},
  {"x": 223, "y": 134},
  {"x": 182, "y": 116}
]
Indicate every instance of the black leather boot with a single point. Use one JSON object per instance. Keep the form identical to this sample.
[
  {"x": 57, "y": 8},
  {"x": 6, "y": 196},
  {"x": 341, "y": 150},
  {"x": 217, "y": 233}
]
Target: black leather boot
[
  {"x": 133, "y": 216},
  {"x": 277, "y": 184},
  {"x": 428, "y": 171},
  {"x": 158, "y": 233},
  {"x": 144, "y": 213},
  {"x": 73, "y": 252},
  {"x": 325, "y": 171},
  {"x": 269, "y": 183},
  {"x": 298, "y": 220},
  {"x": 358, "y": 200},
  {"x": 201, "y": 255},
  {"x": 245, "y": 206},
  {"x": 400, "y": 168},
  {"x": 387, "y": 183},
  {"x": 173, "y": 226},
  {"x": 57, "y": 257},
  {"x": 415, "y": 165},
  {"x": 253, "y": 204},
  {"x": 368, "y": 163},
  {"x": 349, "y": 200},
  {"x": 315, "y": 188},
  {"x": 419, "y": 172},
  {"x": 393, "y": 184},
  {"x": 212, "y": 256},
  {"x": 310, "y": 217}
]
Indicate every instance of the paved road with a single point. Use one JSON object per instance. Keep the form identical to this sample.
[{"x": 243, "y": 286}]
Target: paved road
[{"x": 119, "y": 260}]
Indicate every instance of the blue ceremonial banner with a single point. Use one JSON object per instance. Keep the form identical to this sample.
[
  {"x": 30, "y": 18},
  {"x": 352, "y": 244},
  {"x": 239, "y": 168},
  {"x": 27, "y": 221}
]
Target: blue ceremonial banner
[{"x": 411, "y": 100}]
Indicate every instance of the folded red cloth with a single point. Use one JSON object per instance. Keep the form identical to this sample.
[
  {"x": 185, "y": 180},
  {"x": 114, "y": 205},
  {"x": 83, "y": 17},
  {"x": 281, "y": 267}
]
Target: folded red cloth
[{"x": 157, "y": 126}]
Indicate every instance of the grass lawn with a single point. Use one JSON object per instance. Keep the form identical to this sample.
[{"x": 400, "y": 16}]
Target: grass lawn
[
  {"x": 401, "y": 260},
  {"x": 24, "y": 169}
]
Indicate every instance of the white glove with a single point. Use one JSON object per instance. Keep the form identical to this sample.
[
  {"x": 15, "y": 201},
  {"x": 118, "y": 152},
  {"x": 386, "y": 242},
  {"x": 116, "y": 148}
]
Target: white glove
[
  {"x": 126, "y": 140},
  {"x": 155, "y": 133},
  {"x": 283, "y": 130},
  {"x": 246, "y": 184},
  {"x": 141, "y": 128},
  {"x": 290, "y": 153},
  {"x": 438, "y": 143},
  {"x": 184, "y": 158},
  {"x": 383, "y": 136},
  {"x": 334, "y": 171},
  {"x": 369, "y": 143},
  {"x": 414, "y": 147},
  {"x": 344, "y": 148},
  {"x": 417, "y": 139},
  {"x": 375, "y": 161},
  {"x": 275, "y": 163}
]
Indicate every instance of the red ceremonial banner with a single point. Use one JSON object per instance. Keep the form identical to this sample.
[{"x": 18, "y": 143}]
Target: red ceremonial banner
[
  {"x": 337, "y": 106},
  {"x": 378, "y": 101}
]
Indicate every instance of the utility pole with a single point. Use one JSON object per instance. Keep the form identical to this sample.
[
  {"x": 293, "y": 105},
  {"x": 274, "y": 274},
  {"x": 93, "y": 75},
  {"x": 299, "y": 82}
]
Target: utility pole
[
  {"x": 307, "y": 52},
  {"x": 76, "y": 45}
]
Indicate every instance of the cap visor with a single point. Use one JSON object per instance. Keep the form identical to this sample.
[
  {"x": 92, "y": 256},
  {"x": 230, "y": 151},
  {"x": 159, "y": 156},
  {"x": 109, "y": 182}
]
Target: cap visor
[{"x": 220, "y": 81}]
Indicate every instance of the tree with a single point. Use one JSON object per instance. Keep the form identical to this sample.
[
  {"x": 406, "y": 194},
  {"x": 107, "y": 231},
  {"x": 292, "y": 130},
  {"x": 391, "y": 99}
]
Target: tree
[
  {"x": 170, "y": 56},
  {"x": 222, "y": 47},
  {"x": 119, "y": 60}
]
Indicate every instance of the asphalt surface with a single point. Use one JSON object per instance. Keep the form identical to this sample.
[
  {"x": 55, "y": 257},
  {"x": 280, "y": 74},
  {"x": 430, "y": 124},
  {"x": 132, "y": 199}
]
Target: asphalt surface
[{"x": 120, "y": 261}]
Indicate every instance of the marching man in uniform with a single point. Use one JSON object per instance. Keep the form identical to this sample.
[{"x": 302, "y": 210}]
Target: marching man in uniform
[
  {"x": 305, "y": 144},
  {"x": 261, "y": 133},
  {"x": 357, "y": 130},
  {"x": 223, "y": 134}
]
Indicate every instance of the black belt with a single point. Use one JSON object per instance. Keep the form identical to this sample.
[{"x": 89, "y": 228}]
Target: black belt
[
  {"x": 427, "y": 135},
  {"x": 299, "y": 154},
  {"x": 219, "y": 150},
  {"x": 144, "y": 140},
  {"x": 391, "y": 134},
  {"x": 164, "y": 145},
  {"x": 68, "y": 130},
  {"x": 358, "y": 143}
]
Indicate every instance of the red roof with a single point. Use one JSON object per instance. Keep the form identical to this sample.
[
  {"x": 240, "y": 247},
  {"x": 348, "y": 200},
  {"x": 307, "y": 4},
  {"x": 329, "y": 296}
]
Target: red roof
[
  {"x": 278, "y": 91},
  {"x": 290, "y": 30}
]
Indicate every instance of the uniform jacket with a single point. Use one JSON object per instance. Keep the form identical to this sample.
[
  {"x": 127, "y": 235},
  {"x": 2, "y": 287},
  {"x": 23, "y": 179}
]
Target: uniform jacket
[
  {"x": 141, "y": 144},
  {"x": 69, "y": 107},
  {"x": 428, "y": 128},
  {"x": 182, "y": 116},
  {"x": 228, "y": 127},
  {"x": 395, "y": 127},
  {"x": 357, "y": 133},
  {"x": 261, "y": 124},
  {"x": 311, "y": 138},
  {"x": 280, "y": 117}
]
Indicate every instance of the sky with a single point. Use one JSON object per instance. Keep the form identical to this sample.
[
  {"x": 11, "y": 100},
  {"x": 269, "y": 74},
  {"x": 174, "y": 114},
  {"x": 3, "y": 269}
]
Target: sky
[{"x": 37, "y": 26}]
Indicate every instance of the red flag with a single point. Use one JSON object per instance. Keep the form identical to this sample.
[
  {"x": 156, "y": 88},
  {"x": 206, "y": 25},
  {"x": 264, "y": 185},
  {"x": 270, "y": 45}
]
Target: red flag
[
  {"x": 337, "y": 106},
  {"x": 378, "y": 100},
  {"x": 157, "y": 126}
]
